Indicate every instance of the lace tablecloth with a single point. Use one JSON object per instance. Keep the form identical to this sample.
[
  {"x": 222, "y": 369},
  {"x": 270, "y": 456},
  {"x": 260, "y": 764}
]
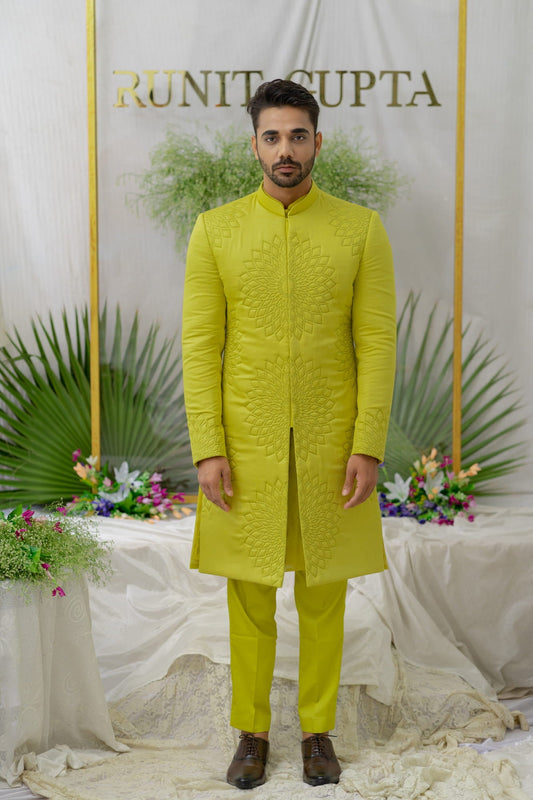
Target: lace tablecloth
[{"x": 52, "y": 705}]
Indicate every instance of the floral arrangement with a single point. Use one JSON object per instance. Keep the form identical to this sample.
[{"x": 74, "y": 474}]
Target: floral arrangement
[
  {"x": 39, "y": 550},
  {"x": 127, "y": 494},
  {"x": 432, "y": 493}
]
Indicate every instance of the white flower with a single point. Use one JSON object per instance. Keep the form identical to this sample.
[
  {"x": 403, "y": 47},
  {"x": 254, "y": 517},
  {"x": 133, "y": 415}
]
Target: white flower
[
  {"x": 433, "y": 484},
  {"x": 123, "y": 475},
  {"x": 92, "y": 460},
  {"x": 399, "y": 490},
  {"x": 115, "y": 497}
]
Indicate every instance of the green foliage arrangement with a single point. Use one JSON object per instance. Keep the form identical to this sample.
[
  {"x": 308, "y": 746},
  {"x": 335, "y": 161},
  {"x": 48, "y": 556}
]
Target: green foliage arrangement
[
  {"x": 48, "y": 550},
  {"x": 186, "y": 178},
  {"x": 421, "y": 415},
  {"x": 45, "y": 407}
]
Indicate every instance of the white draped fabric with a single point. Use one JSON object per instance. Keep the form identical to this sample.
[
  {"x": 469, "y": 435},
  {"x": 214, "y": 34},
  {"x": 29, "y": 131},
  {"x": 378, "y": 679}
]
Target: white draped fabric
[
  {"x": 50, "y": 691},
  {"x": 428, "y": 644},
  {"x": 455, "y": 598}
]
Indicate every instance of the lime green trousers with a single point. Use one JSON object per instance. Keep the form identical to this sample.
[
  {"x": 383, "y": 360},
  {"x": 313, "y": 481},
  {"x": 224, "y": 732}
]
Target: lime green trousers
[{"x": 253, "y": 649}]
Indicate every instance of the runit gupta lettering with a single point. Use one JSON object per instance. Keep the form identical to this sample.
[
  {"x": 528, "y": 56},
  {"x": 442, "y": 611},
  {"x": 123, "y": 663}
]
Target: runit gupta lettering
[{"x": 224, "y": 88}]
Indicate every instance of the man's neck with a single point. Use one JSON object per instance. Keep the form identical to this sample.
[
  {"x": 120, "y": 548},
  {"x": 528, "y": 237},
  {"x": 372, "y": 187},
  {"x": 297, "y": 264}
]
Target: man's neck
[{"x": 287, "y": 195}]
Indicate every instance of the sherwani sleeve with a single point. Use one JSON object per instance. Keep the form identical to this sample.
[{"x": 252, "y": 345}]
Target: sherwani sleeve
[
  {"x": 374, "y": 335},
  {"x": 203, "y": 336}
]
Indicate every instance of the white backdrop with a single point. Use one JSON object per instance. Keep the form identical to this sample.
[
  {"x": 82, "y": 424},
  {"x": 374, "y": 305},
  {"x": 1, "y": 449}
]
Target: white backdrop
[{"x": 43, "y": 144}]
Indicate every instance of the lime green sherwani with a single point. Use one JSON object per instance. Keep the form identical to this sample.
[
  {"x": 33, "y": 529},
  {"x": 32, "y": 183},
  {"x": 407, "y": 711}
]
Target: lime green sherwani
[{"x": 289, "y": 322}]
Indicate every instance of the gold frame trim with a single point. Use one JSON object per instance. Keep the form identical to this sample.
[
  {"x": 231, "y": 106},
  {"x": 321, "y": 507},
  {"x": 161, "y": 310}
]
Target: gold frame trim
[
  {"x": 459, "y": 239},
  {"x": 458, "y": 247},
  {"x": 93, "y": 230}
]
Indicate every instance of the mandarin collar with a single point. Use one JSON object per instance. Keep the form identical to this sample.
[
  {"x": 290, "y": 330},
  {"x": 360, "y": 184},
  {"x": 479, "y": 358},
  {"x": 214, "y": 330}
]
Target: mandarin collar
[{"x": 277, "y": 207}]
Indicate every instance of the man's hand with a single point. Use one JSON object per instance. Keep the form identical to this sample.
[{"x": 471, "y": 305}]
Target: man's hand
[
  {"x": 212, "y": 474},
  {"x": 363, "y": 471}
]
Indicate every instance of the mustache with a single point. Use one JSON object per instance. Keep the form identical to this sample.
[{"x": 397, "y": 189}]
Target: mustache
[{"x": 285, "y": 162}]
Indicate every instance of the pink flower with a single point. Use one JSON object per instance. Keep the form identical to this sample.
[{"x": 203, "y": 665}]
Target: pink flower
[
  {"x": 62, "y": 510},
  {"x": 27, "y": 515},
  {"x": 471, "y": 518},
  {"x": 58, "y": 528},
  {"x": 76, "y": 454},
  {"x": 19, "y": 532},
  {"x": 180, "y": 497},
  {"x": 45, "y": 566},
  {"x": 59, "y": 591},
  {"x": 156, "y": 478}
]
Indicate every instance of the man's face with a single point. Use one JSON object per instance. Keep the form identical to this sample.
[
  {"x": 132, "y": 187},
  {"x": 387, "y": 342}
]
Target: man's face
[{"x": 286, "y": 145}]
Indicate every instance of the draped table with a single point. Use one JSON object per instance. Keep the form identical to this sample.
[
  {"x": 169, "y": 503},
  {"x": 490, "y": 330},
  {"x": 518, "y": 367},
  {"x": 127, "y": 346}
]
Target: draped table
[{"x": 52, "y": 706}]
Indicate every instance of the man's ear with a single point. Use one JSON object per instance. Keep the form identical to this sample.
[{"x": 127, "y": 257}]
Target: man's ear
[
  {"x": 254, "y": 146},
  {"x": 318, "y": 142}
]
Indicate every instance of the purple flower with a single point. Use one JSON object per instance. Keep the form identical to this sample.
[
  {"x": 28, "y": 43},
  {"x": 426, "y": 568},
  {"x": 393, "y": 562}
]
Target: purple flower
[
  {"x": 27, "y": 515},
  {"x": 62, "y": 510},
  {"x": 103, "y": 507},
  {"x": 58, "y": 528},
  {"x": 19, "y": 532},
  {"x": 180, "y": 497},
  {"x": 45, "y": 566},
  {"x": 59, "y": 591},
  {"x": 76, "y": 454},
  {"x": 471, "y": 517}
]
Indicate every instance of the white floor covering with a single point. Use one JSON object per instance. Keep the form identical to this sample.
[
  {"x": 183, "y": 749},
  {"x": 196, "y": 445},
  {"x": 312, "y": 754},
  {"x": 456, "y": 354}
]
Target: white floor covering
[{"x": 516, "y": 747}]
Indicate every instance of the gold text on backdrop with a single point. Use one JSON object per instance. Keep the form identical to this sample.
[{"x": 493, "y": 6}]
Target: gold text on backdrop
[{"x": 161, "y": 88}]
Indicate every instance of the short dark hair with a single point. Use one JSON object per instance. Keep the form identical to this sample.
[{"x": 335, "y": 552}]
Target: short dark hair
[{"x": 278, "y": 93}]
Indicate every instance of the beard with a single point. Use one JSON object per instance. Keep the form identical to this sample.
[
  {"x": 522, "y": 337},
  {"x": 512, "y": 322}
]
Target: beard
[{"x": 299, "y": 174}]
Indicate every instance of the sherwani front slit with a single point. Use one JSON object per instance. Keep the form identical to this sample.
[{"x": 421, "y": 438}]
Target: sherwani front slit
[{"x": 288, "y": 338}]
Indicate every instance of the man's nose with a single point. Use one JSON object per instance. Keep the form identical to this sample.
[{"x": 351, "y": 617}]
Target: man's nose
[{"x": 285, "y": 147}]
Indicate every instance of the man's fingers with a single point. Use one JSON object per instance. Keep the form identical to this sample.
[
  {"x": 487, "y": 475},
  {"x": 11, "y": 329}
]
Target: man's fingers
[
  {"x": 350, "y": 478},
  {"x": 363, "y": 471},
  {"x": 213, "y": 474},
  {"x": 226, "y": 481},
  {"x": 362, "y": 493},
  {"x": 214, "y": 495}
]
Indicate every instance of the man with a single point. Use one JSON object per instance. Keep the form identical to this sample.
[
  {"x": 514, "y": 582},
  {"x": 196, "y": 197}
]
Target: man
[{"x": 288, "y": 357}]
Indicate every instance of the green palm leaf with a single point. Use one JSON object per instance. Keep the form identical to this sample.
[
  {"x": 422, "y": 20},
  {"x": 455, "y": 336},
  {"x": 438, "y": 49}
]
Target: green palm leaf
[
  {"x": 421, "y": 415},
  {"x": 45, "y": 407}
]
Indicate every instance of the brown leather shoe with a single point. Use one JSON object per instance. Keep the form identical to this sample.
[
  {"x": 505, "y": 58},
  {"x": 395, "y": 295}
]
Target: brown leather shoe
[
  {"x": 247, "y": 770},
  {"x": 320, "y": 762}
]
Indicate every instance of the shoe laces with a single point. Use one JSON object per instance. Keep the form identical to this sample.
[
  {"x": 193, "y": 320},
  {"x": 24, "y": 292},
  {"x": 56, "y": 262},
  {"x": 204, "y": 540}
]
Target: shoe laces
[
  {"x": 319, "y": 745},
  {"x": 250, "y": 743}
]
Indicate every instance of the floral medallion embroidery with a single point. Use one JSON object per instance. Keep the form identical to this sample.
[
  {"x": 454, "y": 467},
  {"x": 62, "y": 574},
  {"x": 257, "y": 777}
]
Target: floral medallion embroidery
[
  {"x": 320, "y": 521},
  {"x": 311, "y": 285},
  {"x": 268, "y": 407},
  {"x": 265, "y": 528},
  {"x": 281, "y": 295},
  {"x": 264, "y": 288},
  {"x": 221, "y": 222},
  {"x": 206, "y": 435},
  {"x": 312, "y": 405},
  {"x": 371, "y": 431},
  {"x": 350, "y": 227}
]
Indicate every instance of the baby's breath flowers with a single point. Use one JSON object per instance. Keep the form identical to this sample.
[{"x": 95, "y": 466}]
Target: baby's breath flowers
[
  {"x": 432, "y": 493},
  {"x": 50, "y": 549}
]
